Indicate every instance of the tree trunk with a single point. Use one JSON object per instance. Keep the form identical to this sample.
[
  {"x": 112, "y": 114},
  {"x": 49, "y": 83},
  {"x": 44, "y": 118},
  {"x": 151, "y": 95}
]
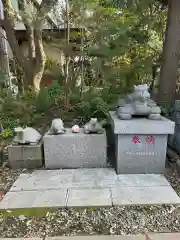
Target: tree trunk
[
  {"x": 171, "y": 55},
  {"x": 33, "y": 78},
  {"x": 33, "y": 66}
]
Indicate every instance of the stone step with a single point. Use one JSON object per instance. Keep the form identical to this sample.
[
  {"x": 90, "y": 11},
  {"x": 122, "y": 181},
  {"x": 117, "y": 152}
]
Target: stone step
[
  {"x": 84, "y": 178},
  {"x": 87, "y": 188}
]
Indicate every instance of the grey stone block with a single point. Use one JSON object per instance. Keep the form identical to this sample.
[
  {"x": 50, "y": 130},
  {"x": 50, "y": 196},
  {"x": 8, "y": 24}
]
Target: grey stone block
[
  {"x": 75, "y": 150},
  {"x": 25, "y": 156},
  {"x": 43, "y": 180},
  {"x": 94, "y": 178},
  {"x": 142, "y": 180},
  {"x": 140, "y": 145},
  {"x": 157, "y": 195},
  {"x": 142, "y": 125},
  {"x": 34, "y": 199},
  {"x": 89, "y": 198}
]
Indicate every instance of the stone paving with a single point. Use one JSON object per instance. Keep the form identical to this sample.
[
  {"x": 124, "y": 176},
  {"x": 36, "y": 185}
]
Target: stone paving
[
  {"x": 87, "y": 188},
  {"x": 148, "y": 236}
]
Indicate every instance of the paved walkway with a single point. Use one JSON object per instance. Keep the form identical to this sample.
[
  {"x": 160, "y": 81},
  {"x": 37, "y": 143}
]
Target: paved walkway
[
  {"x": 87, "y": 188},
  {"x": 158, "y": 236}
]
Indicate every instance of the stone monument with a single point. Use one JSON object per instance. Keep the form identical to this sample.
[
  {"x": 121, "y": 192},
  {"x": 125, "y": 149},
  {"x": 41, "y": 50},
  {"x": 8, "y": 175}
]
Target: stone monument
[
  {"x": 77, "y": 147},
  {"x": 174, "y": 140},
  {"x": 138, "y": 103},
  {"x": 26, "y": 149},
  {"x": 140, "y": 134}
]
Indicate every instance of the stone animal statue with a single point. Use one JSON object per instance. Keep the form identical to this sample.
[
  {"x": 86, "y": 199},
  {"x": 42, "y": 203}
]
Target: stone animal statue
[
  {"x": 138, "y": 103},
  {"x": 93, "y": 126},
  {"x": 57, "y": 127},
  {"x": 26, "y": 135}
]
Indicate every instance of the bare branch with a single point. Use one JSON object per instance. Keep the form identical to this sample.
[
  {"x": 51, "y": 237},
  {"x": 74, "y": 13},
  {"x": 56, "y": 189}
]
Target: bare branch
[
  {"x": 44, "y": 8},
  {"x": 22, "y": 4},
  {"x": 9, "y": 12},
  {"x": 49, "y": 19}
]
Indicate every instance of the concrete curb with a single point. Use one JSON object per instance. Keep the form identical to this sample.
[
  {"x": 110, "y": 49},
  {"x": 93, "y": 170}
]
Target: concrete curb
[{"x": 148, "y": 236}]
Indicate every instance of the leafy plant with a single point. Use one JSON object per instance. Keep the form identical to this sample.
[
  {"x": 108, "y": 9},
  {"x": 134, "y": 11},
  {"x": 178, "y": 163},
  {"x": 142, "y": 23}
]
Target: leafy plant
[
  {"x": 96, "y": 107},
  {"x": 6, "y": 133},
  {"x": 43, "y": 101}
]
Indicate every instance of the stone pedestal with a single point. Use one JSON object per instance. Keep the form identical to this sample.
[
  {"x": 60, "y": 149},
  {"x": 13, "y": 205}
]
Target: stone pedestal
[
  {"x": 75, "y": 150},
  {"x": 140, "y": 144},
  {"x": 25, "y": 156}
]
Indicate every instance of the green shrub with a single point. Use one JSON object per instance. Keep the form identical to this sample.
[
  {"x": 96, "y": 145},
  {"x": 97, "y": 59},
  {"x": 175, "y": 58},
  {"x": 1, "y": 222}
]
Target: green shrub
[
  {"x": 43, "y": 101},
  {"x": 55, "y": 93},
  {"x": 95, "y": 107}
]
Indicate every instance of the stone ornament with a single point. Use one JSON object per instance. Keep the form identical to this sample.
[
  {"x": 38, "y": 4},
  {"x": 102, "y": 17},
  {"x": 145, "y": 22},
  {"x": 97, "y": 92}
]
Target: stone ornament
[
  {"x": 75, "y": 129},
  {"x": 138, "y": 103},
  {"x": 57, "y": 127},
  {"x": 26, "y": 135},
  {"x": 93, "y": 126}
]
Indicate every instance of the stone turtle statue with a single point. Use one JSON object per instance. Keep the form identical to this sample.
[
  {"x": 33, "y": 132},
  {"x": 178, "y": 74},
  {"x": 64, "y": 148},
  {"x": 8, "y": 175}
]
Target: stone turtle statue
[
  {"x": 93, "y": 126},
  {"x": 138, "y": 103},
  {"x": 57, "y": 127},
  {"x": 26, "y": 135}
]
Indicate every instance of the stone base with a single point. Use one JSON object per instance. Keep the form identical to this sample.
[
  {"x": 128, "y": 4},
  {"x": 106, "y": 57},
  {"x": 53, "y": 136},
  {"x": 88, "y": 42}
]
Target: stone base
[
  {"x": 75, "y": 150},
  {"x": 140, "y": 144},
  {"x": 25, "y": 156},
  {"x": 141, "y": 157}
]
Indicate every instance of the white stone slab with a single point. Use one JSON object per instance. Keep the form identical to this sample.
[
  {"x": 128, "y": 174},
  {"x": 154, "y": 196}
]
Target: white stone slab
[
  {"x": 67, "y": 178},
  {"x": 142, "y": 180},
  {"x": 106, "y": 178},
  {"x": 34, "y": 199},
  {"x": 94, "y": 178},
  {"x": 89, "y": 198},
  {"x": 44, "y": 179},
  {"x": 144, "y": 195}
]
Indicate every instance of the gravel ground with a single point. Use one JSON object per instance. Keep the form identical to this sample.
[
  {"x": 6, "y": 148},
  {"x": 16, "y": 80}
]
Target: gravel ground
[{"x": 115, "y": 220}]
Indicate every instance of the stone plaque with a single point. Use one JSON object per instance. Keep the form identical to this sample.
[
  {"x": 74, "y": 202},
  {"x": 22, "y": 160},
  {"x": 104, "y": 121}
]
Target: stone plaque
[{"x": 141, "y": 153}]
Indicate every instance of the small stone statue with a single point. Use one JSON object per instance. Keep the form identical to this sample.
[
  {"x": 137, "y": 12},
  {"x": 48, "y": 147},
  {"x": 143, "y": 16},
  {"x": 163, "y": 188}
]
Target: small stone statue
[
  {"x": 138, "y": 103},
  {"x": 93, "y": 126},
  {"x": 57, "y": 127},
  {"x": 26, "y": 135}
]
